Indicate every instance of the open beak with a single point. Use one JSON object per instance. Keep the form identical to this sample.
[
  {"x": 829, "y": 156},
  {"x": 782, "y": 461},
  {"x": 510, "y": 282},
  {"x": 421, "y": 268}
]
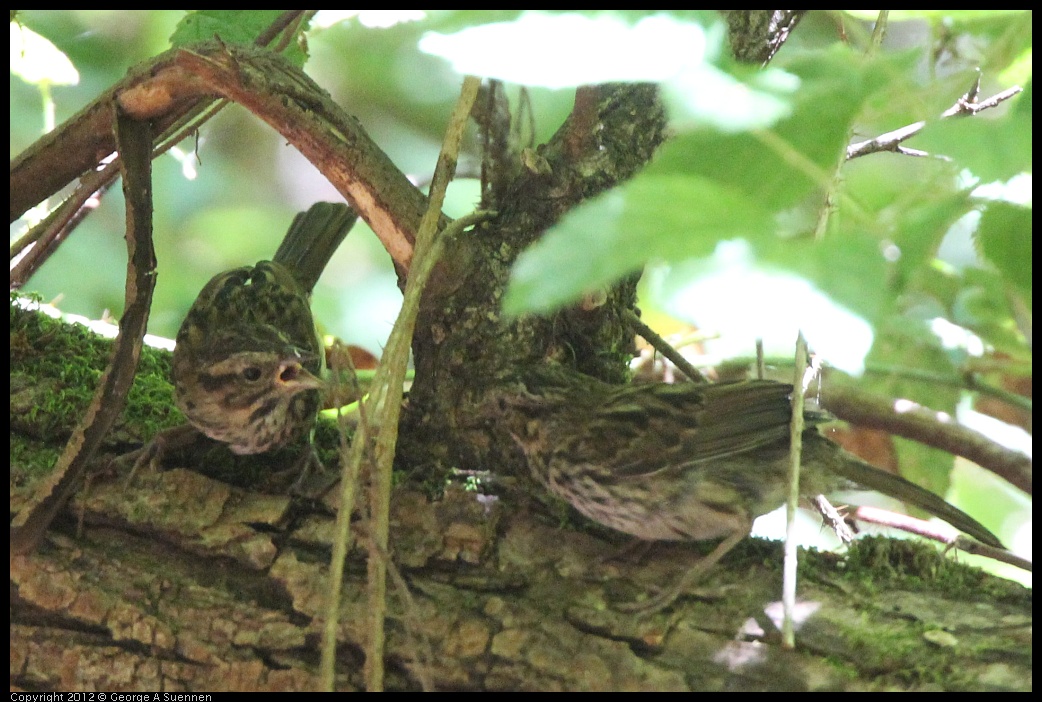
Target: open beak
[{"x": 294, "y": 375}]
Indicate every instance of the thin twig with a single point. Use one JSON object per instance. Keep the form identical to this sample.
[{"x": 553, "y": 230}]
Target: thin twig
[
  {"x": 941, "y": 533},
  {"x": 833, "y": 519},
  {"x": 385, "y": 397},
  {"x": 968, "y": 380},
  {"x": 95, "y": 183},
  {"x": 938, "y": 429},
  {"x": 134, "y": 139},
  {"x": 792, "y": 503},
  {"x": 830, "y": 206},
  {"x": 892, "y": 141},
  {"x": 61, "y": 222},
  {"x": 971, "y": 545},
  {"x": 662, "y": 346}
]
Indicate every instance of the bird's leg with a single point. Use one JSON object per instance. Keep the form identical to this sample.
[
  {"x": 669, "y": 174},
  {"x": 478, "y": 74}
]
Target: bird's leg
[
  {"x": 693, "y": 575},
  {"x": 166, "y": 442},
  {"x": 313, "y": 477}
]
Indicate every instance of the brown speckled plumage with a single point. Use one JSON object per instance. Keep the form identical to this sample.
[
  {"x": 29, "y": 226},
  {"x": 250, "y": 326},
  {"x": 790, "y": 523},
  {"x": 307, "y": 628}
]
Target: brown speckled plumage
[{"x": 247, "y": 359}]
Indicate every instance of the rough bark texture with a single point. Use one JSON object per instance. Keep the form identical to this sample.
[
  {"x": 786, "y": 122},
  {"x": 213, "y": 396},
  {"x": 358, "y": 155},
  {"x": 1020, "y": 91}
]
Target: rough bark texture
[
  {"x": 180, "y": 582},
  {"x": 756, "y": 35},
  {"x": 462, "y": 344},
  {"x": 183, "y": 583}
]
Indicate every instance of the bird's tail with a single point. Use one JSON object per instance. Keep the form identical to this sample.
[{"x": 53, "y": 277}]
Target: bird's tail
[
  {"x": 854, "y": 469},
  {"x": 312, "y": 239}
]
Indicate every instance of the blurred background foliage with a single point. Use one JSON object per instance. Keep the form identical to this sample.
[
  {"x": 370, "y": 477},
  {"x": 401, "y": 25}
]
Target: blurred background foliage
[{"x": 923, "y": 268}]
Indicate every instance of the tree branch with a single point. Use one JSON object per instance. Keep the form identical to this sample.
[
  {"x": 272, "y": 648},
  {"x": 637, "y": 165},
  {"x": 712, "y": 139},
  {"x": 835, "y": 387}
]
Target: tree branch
[
  {"x": 334, "y": 141},
  {"x": 926, "y": 426},
  {"x": 892, "y": 141}
]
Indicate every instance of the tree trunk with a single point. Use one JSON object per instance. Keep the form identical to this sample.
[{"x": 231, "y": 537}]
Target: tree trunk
[{"x": 180, "y": 582}]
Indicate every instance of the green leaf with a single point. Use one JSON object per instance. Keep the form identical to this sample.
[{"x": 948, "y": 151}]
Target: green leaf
[
  {"x": 35, "y": 59},
  {"x": 233, "y": 27},
  {"x": 707, "y": 186},
  {"x": 782, "y": 165},
  {"x": 963, "y": 309},
  {"x": 850, "y": 267},
  {"x": 1004, "y": 238},
  {"x": 653, "y": 217},
  {"x": 920, "y": 227},
  {"x": 992, "y": 149}
]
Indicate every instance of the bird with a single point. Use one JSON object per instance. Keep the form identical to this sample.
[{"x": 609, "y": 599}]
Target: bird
[
  {"x": 683, "y": 461},
  {"x": 247, "y": 361}
]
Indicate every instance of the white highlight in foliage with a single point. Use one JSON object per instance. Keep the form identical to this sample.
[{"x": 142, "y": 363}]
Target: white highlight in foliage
[
  {"x": 558, "y": 51},
  {"x": 741, "y": 301}
]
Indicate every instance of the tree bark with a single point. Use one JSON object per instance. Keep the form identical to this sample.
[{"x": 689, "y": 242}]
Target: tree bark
[{"x": 177, "y": 581}]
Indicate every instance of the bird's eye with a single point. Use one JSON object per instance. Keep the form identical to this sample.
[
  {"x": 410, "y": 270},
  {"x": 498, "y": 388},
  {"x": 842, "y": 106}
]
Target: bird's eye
[{"x": 251, "y": 373}]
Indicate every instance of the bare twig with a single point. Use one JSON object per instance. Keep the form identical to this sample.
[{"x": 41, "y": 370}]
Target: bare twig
[
  {"x": 912, "y": 421},
  {"x": 971, "y": 545},
  {"x": 834, "y": 519},
  {"x": 335, "y": 142},
  {"x": 72, "y": 151},
  {"x": 968, "y": 380},
  {"x": 663, "y": 346},
  {"x": 829, "y": 205},
  {"x": 892, "y": 141},
  {"x": 288, "y": 17},
  {"x": 934, "y": 531},
  {"x": 796, "y": 428},
  {"x": 60, "y": 223},
  {"x": 941, "y": 533},
  {"x": 386, "y": 397},
  {"x": 27, "y": 529}
]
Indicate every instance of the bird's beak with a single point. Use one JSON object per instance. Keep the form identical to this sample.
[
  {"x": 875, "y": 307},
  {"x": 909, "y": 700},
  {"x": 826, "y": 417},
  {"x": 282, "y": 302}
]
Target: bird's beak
[{"x": 292, "y": 374}]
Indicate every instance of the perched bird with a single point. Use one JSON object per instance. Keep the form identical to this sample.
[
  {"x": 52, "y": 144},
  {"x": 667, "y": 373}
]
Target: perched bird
[
  {"x": 247, "y": 359},
  {"x": 683, "y": 461}
]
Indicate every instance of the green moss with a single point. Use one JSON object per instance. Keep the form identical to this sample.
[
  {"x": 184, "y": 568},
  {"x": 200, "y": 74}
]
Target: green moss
[
  {"x": 55, "y": 369},
  {"x": 913, "y": 564},
  {"x": 30, "y": 458}
]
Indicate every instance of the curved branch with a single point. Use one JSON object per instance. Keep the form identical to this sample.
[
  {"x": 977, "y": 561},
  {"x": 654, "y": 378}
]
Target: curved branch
[
  {"x": 933, "y": 428},
  {"x": 176, "y": 82},
  {"x": 335, "y": 142}
]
